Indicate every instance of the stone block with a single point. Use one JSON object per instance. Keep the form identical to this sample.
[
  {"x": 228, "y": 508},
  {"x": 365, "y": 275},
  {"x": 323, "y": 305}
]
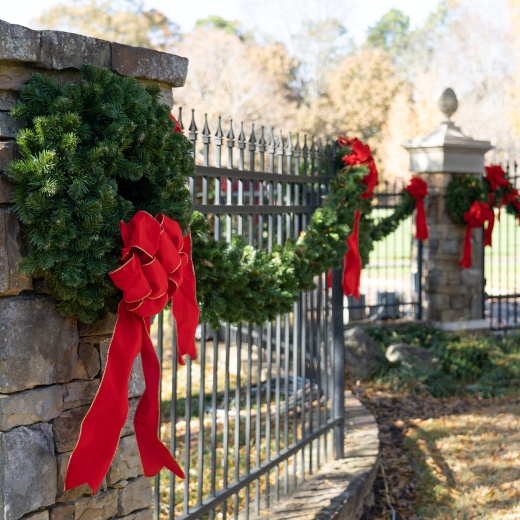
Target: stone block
[
  {"x": 438, "y": 301},
  {"x": 433, "y": 246},
  {"x": 136, "y": 495},
  {"x": 18, "y": 43},
  {"x": 435, "y": 280},
  {"x": 136, "y": 383},
  {"x": 63, "y": 512},
  {"x": 63, "y": 50},
  {"x": 102, "y": 327},
  {"x": 143, "y": 514},
  {"x": 62, "y": 463},
  {"x": 149, "y": 64},
  {"x": 452, "y": 246},
  {"x": 66, "y": 428},
  {"x": 88, "y": 361},
  {"x": 454, "y": 314},
  {"x": 128, "y": 428},
  {"x": 79, "y": 393},
  {"x": 127, "y": 462},
  {"x": 37, "y": 345},
  {"x": 9, "y": 127},
  {"x": 28, "y": 473},
  {"x": 29, "y": 407},
  {"x": 7, "y": 154},
  {"x": 6, "y": 188},
  {"x": 97, "y": 507},
  {"x": 40, "y": 515},
  {"x": 12, "y": 282},
  {"x": 8, "y": 98},
  {"x": 13, "y": 76},
  {"x": 460, "y": 301},
  {"x": 471, "y": 277}
]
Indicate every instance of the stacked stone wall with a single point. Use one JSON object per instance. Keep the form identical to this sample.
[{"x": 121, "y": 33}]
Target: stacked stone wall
[{"x": 50, "y": 366}]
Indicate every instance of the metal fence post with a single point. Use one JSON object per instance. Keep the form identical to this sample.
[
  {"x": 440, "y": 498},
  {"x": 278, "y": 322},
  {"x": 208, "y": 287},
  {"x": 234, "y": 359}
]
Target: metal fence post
[
  {"x": 338, "y": 355},
  {"x": 419, "y": 314}
]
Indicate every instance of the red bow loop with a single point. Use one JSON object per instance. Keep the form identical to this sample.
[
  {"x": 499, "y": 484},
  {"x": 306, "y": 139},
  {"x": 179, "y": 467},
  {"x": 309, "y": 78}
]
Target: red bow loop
[
  {"x": 361, "y": 155},
  {"x": 418, "y": 189},
  {"x": 156, "y": 268}
]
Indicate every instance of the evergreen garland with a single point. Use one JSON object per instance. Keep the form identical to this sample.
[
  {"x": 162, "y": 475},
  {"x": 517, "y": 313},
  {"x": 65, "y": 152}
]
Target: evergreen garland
[{"x": 96, "y": 151}]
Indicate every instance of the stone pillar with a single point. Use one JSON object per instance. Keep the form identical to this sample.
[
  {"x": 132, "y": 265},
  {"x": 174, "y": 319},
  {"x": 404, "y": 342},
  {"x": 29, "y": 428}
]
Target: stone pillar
[
  {"x": 452, "y": 294},
  {"x": 50, "y": 366}
]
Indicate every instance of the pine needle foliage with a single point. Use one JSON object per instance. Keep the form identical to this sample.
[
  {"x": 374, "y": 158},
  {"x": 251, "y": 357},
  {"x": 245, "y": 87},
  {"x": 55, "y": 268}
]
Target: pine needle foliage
[
  {"x": 93, "y": 152},
  {"x": 462, "y": 192},
  {"x": 96, "y": 151}
]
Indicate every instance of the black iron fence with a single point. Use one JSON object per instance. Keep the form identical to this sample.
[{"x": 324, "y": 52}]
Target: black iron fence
[
  {"x": 501, "y": 268},
  {"x": 261, "y": 407}
]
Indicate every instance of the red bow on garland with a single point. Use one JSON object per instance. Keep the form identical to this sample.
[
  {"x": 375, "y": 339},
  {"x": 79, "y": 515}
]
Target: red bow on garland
[
  {"x": 156, "y": 268},
  {"x": 361, "y": 155},
  {"x": 418, "y": 189},
  {"x": 478, "y": 214}
]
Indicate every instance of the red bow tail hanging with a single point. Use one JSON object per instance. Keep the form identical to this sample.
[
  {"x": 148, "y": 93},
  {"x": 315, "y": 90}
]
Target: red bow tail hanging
[
  {"x": 478, "y": 214},
  {"x": 156, "y": 264},
  {"x": 185, "y": 308},
  {"x": 352, "y": 261},
  {"x": 418, "y": 189},
  {"x": 489, "y": 228}
]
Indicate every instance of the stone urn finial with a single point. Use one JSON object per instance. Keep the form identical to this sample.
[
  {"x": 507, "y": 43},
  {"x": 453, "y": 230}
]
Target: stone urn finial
[{"x": 448, "y": 103}]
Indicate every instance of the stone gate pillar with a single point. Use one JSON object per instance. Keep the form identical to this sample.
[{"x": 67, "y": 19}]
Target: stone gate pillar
[
  {"x": 50, "y": 366},
  {"x": 451, "y": 293}
]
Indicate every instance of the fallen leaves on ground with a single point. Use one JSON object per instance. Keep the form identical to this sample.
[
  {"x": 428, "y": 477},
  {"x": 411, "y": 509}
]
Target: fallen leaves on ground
[{"x": 445, "y": 459}]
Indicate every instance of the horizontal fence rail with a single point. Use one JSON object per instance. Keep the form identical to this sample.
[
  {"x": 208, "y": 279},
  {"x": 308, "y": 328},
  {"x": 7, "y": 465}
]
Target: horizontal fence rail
[{"x": 257, "y": 411}]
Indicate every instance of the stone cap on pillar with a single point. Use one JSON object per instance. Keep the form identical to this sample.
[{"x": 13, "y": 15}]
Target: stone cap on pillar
[{"x": 447, "y": 149}]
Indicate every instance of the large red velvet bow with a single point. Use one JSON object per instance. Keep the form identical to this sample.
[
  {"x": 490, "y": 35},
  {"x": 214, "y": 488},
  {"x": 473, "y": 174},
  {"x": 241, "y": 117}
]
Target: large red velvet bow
[
  {"x": 418, "y": 189},
  {"x": 156, "y": 268},
  {"x": 362, "y": 155},
  {"x": 478, "y": 214}
]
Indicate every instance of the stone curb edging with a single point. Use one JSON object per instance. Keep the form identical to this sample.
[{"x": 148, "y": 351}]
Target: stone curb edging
[{"x": 340, "y": 489}]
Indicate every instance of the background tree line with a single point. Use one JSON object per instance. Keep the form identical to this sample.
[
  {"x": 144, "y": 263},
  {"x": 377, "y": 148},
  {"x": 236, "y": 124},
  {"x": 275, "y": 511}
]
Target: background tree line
[{"x": 315, "y": 79}]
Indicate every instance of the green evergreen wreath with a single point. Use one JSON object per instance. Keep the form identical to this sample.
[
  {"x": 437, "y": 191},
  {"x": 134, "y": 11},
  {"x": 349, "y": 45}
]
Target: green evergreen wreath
[
  {"x": 461, "y": 193},
  {"x": 92, "y": 154}
]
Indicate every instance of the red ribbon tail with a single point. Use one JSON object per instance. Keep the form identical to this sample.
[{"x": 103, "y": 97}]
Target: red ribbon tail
[
  {"x": 329, "y": 279},
  {"x": 186, "y": 309},
  {"x": 106, "y": 417},
  {"x": 489, "y": 230},
  {"x": 466, "y": 256},
  {"x": 154, "y": 454},
  {"x": 352, "y": 262},
  {"x": 421, "y": 231}
]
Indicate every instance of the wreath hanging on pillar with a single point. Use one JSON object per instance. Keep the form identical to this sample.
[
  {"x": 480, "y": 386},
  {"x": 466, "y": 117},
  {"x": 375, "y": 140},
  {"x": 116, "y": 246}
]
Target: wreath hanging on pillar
[
  {"x": 93, "y": 153},
  {"x": 472, "y": 200}
]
